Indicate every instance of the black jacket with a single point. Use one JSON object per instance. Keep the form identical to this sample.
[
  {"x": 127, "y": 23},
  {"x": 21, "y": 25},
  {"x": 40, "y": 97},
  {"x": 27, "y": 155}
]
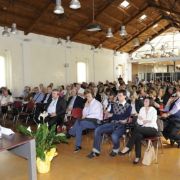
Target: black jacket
[
  {"x": 78, "y": 103},
  {"x": 49, "y": 99},
  {"x": 60, "y": 107}
]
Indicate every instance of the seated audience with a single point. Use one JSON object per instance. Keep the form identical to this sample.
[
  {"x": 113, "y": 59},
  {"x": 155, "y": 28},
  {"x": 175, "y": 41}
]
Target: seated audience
[
  {"x": 80, "y": 90},
  {"x": 56, "y": 109},
  {"x": 172, "y": 119},
  {"x": 92, "y": 114},
  {"x": 38, "y": 96},
  {"x": 40, "y": 106},
  {"x": 26, "y": 93},
  {"x": 5, "y": 100},
  {"x": 147, "y": 128},
  {"x": 121, "y": 110},
  {"x": 74, "y": 101},
  {"x": 168, "y": 94}
]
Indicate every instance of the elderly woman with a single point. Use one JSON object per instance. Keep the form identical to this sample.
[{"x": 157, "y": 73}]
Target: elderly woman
[{"x": 147, "y": 128}]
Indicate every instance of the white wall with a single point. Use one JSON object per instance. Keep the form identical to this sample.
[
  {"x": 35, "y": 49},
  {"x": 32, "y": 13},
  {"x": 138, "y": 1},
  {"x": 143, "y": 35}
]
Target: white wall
[{"x": 41, "y": 60}]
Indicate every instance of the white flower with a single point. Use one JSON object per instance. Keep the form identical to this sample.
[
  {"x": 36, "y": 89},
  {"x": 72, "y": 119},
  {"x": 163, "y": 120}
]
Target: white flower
[
  {"x": 29, "y": 129},
  {"x": 38, "y": 126},
  {"x": 61, "y": 134}
]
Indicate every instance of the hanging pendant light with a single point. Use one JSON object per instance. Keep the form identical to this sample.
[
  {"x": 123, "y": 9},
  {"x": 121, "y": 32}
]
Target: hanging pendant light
[
  {"x": 94, "y": 26},
  {"x": 136, "y": 42},
  {"x": 14, "y": 28},
  {"x": 68, "y": 42},
  {"x": 59, "y": 41},
  {"x": 58, "y": 8},
  {"x": 5, "y": 32},
  {"x": 109, "y": 33},
  {"x": 75, "y": 4},
  {"x": 115, "y": 53},
  {"x": 123, "y": 31}
]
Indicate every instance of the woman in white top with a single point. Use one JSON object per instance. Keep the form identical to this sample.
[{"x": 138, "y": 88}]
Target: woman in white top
[{"x": 147, "y": 128}]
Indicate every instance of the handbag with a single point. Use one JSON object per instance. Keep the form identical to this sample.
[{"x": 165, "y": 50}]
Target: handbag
[{"x": 149, "y": 154}]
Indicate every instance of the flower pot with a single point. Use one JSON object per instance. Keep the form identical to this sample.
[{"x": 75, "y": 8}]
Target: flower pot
[{"x": 44, "y": 166}]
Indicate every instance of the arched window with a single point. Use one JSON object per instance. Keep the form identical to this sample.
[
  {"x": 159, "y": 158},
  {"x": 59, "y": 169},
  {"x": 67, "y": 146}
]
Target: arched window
[{"x": 81, "y": 72}]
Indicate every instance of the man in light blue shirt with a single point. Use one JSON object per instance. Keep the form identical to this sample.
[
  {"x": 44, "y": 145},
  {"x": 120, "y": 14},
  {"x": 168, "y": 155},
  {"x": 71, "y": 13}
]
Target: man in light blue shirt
[{"x": 38, "y": 97}]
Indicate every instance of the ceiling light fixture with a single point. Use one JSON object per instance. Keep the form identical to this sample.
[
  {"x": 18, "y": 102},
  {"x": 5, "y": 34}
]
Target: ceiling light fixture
[
  {"x": 14, "y": 28},
  {"x": 58, "y": 8},
  {"x": 5, "y": 32},
  {"x": 75, "y": 4},
  {"x": 124, "y": 4},
  {"x": 68, "y": 42},
  {"x": 92, "y": 47},
  {"x": 59, "y": 41},
  {"x": 123, "y": 31},
  {"x": 109, "y": 33},
  {"x": 136, "y": 42},
  {"x": 115, "y": 53},
  {"x": 94, "y": 26}
]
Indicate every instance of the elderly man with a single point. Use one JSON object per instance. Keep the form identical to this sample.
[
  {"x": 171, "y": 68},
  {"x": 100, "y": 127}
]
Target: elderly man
[
  {"x": 56, "y": 109},
  {"x": 92, "y": 115},
  {"x": 74, "y": 101}
]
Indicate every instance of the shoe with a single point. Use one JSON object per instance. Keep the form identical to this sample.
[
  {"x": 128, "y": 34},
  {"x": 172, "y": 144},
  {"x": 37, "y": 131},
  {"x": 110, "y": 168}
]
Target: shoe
[
  {"x": 172, "y": 142},
  {"x": 136, "y": 161},
  {"x": 122, "y": 154},
  {"x": 77, "y": 149},
  {"x": 92, "y": 155},
  {"x": 68, "y": 136},
  {"x": 113, "y": 154}
]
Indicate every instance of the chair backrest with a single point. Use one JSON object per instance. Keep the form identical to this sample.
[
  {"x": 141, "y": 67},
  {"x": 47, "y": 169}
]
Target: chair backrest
[
  {"x": 76, "y": 113},
  {"x": 30, "y": 106},
  {"x": 17, "y": 104}
]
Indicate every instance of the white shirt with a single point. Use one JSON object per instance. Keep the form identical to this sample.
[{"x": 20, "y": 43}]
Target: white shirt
[
  {"x": 47, "y": 97},
  {"x": 4, "y": 100},
  {"x": 52, "y": 106},
  {"x": 151, "y": 116},
  {"x": 71, "y": 104},
  {"x": 93, "y": 110},
  {"x": 133, "y": 108}
]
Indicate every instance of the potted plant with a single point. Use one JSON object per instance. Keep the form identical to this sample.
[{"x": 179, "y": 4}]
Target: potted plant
[{"x": 46, "y": 140}]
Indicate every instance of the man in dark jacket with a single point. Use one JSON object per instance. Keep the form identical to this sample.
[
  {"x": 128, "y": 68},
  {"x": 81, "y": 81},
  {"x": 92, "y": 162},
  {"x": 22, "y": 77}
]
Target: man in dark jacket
[{"x": 56, "y": 109}]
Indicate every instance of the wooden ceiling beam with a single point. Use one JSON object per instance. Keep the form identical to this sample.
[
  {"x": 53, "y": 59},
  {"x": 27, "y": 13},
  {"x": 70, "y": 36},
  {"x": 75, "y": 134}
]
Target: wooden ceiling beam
[
  {"x": 90, "y": 19},
  {"x": 154, "y": 5},
  {"x": 152, "y": 37},
  {"x": 122, "y": 10},
  {"x": 116, "y": 30},
  {"x": 140, "y": 32},
  {"x": 113, "y": 18},
  {"x": 131, "y": 3},
  {"x": 45, "y": 9}
]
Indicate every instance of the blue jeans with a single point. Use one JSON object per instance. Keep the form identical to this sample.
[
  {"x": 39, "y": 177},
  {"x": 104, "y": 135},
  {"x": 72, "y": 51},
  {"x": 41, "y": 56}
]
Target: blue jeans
[
  {"x": 79, "y": 126},
  {"x": 116, "y": 131}
]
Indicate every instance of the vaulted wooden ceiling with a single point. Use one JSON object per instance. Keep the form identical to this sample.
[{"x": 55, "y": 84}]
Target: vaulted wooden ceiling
[{"x": 36, "y": 16}]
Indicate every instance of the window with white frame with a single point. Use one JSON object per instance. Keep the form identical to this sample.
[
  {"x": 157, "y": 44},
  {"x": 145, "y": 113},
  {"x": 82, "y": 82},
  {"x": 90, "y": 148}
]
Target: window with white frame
[
  {"x": 81, "y": 72},
  {"x": 2, "y": 72}
]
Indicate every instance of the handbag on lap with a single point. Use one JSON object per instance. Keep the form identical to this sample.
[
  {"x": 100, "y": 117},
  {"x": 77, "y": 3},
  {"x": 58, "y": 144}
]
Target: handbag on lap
[{"x": 149, "y": 154}]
